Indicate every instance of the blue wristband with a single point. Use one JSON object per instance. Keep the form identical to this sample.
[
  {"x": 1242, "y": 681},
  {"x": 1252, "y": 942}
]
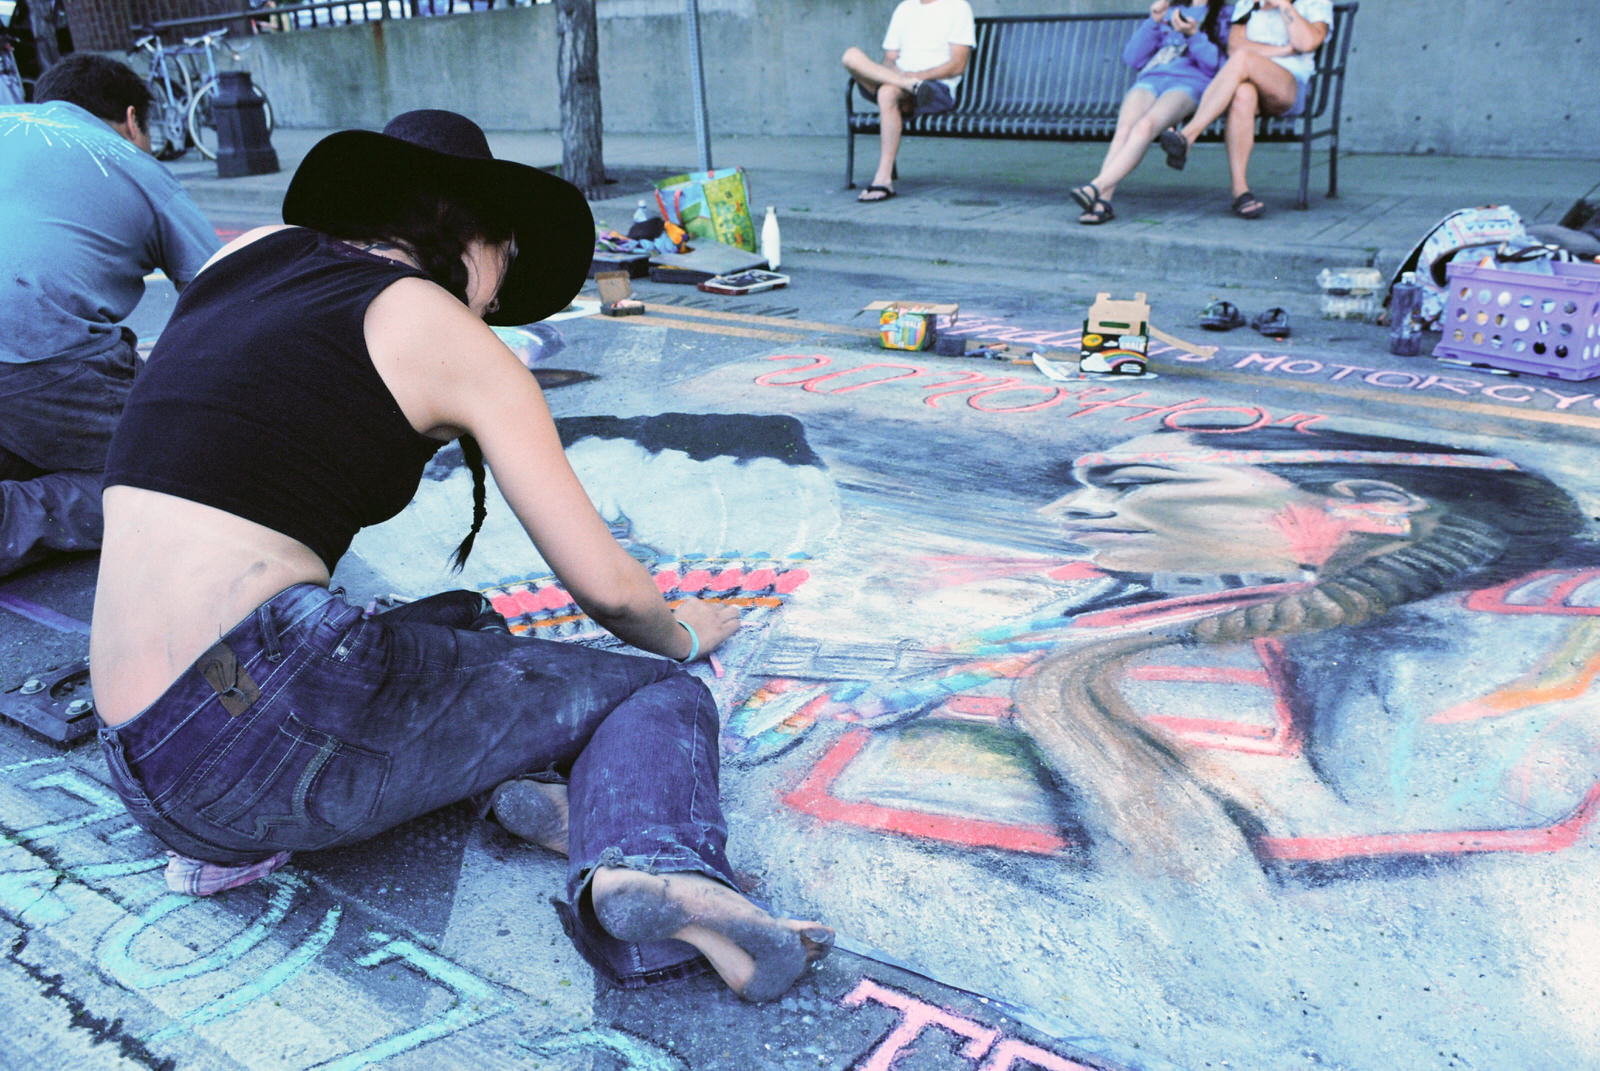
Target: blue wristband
[{"x": 694, "y": 643}]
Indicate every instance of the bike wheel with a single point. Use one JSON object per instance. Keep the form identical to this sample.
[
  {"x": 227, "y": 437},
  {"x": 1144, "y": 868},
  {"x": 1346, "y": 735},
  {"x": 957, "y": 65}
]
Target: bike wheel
[
  {"x": 203, "y": 117},
  {"x": 168, "y": 139}
]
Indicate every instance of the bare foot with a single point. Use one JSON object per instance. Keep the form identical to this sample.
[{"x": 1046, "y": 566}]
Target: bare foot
[
  {"x": 534, "y": 811},
  {"x": 758, "y": 955}
]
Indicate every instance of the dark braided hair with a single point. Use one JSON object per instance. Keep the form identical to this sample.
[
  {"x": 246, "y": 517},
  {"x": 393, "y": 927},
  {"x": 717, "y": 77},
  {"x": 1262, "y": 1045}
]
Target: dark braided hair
[
  {"x": 435, "y": 227},
  {"x": 472, "y": 454}
]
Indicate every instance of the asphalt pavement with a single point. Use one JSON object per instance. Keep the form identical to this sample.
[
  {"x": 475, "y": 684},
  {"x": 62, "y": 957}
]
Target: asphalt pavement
[{"x": 964, "y": 944}]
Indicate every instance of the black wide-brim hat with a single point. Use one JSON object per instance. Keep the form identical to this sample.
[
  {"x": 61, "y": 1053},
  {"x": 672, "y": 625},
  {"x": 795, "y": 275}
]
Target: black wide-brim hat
[{"x": 359, "y": 178}]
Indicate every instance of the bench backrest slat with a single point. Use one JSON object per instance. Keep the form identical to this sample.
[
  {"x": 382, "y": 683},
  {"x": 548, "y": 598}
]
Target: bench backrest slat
[{"x": 1047, "y": 65}]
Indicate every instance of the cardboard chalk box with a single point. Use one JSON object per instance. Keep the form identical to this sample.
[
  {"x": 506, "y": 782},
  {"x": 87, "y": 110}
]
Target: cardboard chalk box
[{"x": 910, "y": 325}]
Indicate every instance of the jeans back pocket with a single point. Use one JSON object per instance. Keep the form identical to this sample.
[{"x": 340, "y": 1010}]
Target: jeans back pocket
[{"x": 301, "y": 790}]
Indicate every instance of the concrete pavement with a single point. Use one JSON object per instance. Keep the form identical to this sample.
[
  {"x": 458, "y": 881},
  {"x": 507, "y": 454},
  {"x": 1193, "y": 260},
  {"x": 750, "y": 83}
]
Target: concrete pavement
[{"x": 1003, "y": 204}]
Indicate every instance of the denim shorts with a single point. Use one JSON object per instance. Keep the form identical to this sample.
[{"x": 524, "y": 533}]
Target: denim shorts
[
  {"x": 944, "y": 99},
  {"x": 312, "y": 724}
]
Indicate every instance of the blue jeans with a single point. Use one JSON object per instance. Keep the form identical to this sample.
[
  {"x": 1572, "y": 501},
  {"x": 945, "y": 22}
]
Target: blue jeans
[
  {"x": 56, "y": 420},
  {"x": 312, "y": 725}
]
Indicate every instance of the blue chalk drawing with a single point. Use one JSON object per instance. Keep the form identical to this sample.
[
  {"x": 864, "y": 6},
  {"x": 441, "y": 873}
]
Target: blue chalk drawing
[
  {"x": 636, "y": 1054},
  {"x": 477, "y": 1000},
  {"x": 116, "y": 953},
  {"x": 257, "y": 987}
]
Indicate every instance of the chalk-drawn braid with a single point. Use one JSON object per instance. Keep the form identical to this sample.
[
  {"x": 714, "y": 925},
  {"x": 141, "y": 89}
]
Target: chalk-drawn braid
[{"x": 1457, "y": 547}]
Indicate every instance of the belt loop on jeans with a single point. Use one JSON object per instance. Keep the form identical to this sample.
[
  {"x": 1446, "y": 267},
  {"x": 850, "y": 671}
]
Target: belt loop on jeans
[{"x": 269, "y": 633}]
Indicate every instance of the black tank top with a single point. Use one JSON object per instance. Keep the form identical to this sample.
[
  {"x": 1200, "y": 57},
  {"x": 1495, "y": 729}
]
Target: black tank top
[{"x": 260, "y": 397}]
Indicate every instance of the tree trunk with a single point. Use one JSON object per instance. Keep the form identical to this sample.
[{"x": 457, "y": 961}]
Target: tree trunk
[{"x": 578, "y": 70}]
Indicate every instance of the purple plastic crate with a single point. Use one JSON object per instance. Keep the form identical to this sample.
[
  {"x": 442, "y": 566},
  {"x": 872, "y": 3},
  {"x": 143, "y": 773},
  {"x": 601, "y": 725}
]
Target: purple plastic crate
[{"x": 1524, "y": 321}]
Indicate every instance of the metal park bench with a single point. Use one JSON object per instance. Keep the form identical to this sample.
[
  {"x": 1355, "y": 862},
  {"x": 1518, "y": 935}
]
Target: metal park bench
[{"x": 1061, "y": 78}]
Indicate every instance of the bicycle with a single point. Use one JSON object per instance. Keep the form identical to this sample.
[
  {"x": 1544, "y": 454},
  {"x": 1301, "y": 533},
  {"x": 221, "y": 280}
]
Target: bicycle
[
  {"x": 170, "y": 87},
  {"x": 12, "y": 88},
  {"x": 202, "y": 118}
]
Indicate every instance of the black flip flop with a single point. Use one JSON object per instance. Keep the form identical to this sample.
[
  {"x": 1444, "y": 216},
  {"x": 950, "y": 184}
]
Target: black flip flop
[
  {"x": 1248, "y": 206},
  {"x": 886, "y": 191},
  {"x": 1086, "y": 195},
  {"x": 1221, "y": 315},
  {"x": 1099, "y": 211},
  {"x": 1177, "y": 149},
  {"x": 1274, "y": 323}
]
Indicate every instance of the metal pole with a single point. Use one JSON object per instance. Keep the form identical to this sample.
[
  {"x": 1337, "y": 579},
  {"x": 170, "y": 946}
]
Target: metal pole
[{"x": 697, "y": 78}]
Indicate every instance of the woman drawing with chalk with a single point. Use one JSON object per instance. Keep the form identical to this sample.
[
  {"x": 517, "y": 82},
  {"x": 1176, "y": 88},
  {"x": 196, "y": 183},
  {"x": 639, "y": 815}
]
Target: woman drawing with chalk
[{"x": 305, "y": 379}]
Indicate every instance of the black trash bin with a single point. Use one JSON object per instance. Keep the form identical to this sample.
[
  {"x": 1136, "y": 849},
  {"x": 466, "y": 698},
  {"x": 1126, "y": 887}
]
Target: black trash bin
[{"x": 244, "y": 146}]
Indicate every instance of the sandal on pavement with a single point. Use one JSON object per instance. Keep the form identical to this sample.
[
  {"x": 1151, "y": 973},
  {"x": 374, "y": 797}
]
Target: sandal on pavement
[
  {"x": 883, "y": 192},
  {"x": 1175, "y": 146},
  {"x": 1099, "y": 211},
  {"x": 1248, "y": 206},
  {"x": 1274, "y": 323},
  {"x": 1086, "y": 195},
  {"x": 1221, "y": 315}
]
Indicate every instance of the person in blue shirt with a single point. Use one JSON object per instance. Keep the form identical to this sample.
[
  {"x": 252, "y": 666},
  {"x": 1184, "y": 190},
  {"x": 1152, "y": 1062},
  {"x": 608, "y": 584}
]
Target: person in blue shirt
[
  {"x": 87, "y": 213},
  {"x": 1177, "y": 52}
]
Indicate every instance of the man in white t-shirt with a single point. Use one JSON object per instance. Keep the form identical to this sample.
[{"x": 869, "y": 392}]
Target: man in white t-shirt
[{"x": 924, "y": 52}]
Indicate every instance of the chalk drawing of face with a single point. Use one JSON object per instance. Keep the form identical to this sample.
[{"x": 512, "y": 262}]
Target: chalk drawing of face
[{"x": 1140, "y": 512}]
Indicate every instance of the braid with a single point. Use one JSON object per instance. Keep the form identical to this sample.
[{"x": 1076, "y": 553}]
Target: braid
[
  {"x": 1458, "y": 547},
  {"x": 472, "y": 454}
]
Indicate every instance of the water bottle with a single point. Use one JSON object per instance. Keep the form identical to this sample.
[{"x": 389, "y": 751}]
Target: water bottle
[
  {"x": 642, "y": 213},
  {"x": 532, "y": 343},
  {"x": 770, "y": 251},
  {"x": 1405, "y": 317}
]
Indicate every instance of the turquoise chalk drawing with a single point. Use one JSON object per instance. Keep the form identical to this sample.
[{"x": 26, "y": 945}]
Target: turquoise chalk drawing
[
  {"x": 105, "y": 803},
  {"x": 634, "y": 1054},
  {"x": 116, "y": 949},
  {"x": 476, "y": 1000},
  {"x": 257, "y": 987}
]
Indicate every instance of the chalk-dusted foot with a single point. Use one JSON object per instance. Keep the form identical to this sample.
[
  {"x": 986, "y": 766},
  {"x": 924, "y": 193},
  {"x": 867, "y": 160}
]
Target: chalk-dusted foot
[
  {"x": 534, "y": 811},
  {"x": 758, "y": 955}
]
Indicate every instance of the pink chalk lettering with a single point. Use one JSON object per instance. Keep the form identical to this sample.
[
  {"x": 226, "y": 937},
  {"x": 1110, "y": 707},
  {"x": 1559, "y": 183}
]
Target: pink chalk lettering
[
  {"x": 811, "y": 384},
  {"x": 1408, "y": 380},
  {"x": 1497, "y": 392},
  {"x": 1010, "y": 1052},
  {"x": 970, "y": 383},
  {"x": 1054, "y": 396},
  {"x": 1453, "y": 384},
  {"x": 1565, "y": 401},
  {"x": 769, "y": 379},
  {"x": 1303, "y": 367},
  {"x": 1345, "y": 370},
  {"x": 1256, "y": 418},
  {"x": 1269, "y": 363},
  {"x": 915, "y": 1016}
]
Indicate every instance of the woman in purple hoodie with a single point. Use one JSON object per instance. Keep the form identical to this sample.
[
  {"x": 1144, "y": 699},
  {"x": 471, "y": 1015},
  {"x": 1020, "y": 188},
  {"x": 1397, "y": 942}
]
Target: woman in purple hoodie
[{"x": 1176, "y": 51}]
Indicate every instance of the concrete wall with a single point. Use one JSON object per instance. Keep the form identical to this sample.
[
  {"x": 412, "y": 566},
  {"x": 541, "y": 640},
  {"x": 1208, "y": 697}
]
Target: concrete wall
[{"x": 1474, "y": 78}]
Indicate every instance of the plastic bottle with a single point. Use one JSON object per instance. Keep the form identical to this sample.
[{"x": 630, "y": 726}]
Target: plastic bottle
[
  {"x": 770, "y": 248},
  {"x": 1405, "y": 317},
  {"x": 642, "y": 214},
  {"x": 532, "y": 343}
]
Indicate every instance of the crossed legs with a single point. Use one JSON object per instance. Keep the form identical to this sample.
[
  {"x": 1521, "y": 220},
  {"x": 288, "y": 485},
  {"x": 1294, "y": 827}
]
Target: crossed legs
[
  {"x": 1248, "y": 85},
  {"x": 1143, "y": 116},
  {"x": 892, "y": 88}
]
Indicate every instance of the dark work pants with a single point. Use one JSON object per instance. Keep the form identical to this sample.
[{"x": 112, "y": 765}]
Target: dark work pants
[{"x": 56, "y": 420}]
